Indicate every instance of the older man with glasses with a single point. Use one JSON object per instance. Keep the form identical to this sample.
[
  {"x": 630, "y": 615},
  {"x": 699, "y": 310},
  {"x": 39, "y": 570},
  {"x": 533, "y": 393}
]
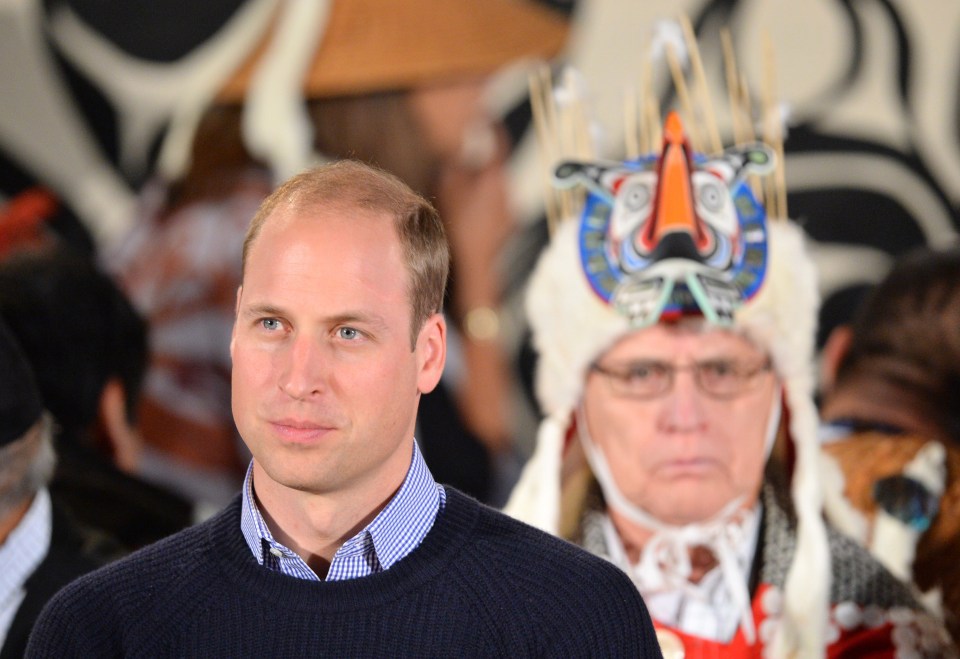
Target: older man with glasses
[{"x": 675, "y": 330}]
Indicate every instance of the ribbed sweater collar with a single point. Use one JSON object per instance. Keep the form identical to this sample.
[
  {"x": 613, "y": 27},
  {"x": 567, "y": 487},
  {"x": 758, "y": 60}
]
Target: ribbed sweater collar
[{"x": 224, "y": 546}]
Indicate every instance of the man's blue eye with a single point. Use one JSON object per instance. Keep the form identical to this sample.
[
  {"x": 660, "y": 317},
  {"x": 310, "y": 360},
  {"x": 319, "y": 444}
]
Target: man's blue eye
[
  {"x": 270, "y": 323},
  {"x": 348, "y": 333}
]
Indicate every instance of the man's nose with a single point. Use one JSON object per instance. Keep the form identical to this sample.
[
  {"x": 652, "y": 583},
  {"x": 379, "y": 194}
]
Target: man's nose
[
  {"x": 303, "y": 368},
  {"x": 683, "y": 409}
]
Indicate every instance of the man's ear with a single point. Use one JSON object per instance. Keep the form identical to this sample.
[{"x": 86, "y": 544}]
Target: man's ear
[
  {"x": 431, "y": 352},
  {"x": 834, "y": 350},
  {"x": 123, "y": 438}
]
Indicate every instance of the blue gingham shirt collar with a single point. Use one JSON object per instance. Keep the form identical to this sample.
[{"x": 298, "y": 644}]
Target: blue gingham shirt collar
[{"x": 395, "y": 532}]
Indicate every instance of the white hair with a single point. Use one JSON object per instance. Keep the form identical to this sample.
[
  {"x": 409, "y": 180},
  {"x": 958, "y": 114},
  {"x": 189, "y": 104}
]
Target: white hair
[{"x": 26, "y": 465}]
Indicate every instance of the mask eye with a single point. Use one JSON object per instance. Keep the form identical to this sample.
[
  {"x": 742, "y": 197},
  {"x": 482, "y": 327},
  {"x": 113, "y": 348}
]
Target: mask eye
[
  {"x": 711, "y": 196},
  {"x": 636, "y": 196}
]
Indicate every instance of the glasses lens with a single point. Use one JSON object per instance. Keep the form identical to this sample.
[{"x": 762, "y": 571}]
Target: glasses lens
[
  {"x": 907, "y": 500},
  {"x": 645, "y": 379},
  {"x": 726, "y": 378},
  {"x": 637, "y": 380},
  {"x": 649, "y": 379},
  {"x": 720, "y": 378}
]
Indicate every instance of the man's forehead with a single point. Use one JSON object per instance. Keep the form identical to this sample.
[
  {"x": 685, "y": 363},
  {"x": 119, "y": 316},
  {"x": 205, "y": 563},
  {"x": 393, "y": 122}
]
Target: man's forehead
[
  {"x": 697, "y": 336},
  {"x": 340, "y": 220}
]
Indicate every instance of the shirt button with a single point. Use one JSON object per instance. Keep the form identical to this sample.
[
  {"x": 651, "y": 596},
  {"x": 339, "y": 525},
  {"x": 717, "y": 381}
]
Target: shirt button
[{"x": 276, "y": 552}]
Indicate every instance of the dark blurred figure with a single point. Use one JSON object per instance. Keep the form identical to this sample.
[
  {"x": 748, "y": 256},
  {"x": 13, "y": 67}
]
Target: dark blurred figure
[
  {"x": 891, "y": 412},
  {"x": 88, "y": 349},
  {"x": 40, "y": 551},
  {"x": 898, "y": 363}
]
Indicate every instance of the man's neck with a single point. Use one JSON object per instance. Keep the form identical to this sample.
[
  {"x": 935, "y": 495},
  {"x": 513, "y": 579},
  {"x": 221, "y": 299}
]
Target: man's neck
[
  {"x": 635, "y": 537},
  {"x": 316, "y": 525}
]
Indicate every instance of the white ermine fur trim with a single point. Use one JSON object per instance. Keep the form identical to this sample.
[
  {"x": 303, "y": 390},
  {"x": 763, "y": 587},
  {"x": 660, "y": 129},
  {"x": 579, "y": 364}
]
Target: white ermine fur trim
[
  {"x": 536, "y": 497},
  {"x": 807, "y": 588},
  {"x": 783, "y": 319},
  {"x": 570, "y": 324},
  {"x": 836, "y": 506}
]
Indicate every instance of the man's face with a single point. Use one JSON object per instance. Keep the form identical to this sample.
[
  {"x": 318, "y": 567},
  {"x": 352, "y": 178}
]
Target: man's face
[
  {"x": 325, "y": 385},
  {"x": 684, "y": 455}
]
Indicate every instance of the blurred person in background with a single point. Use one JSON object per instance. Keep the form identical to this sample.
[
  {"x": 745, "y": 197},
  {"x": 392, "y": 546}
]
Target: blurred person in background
[
  {"x": 891, "y": 422},
  {"x": 87, "y": 347},
  {"x": 40, "y": 549},
  {"x": 402, "y": 86}
]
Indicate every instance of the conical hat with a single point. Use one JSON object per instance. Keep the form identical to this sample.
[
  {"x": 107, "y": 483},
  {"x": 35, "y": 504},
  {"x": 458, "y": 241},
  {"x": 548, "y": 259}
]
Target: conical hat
[{"x": 379, "y": 45}]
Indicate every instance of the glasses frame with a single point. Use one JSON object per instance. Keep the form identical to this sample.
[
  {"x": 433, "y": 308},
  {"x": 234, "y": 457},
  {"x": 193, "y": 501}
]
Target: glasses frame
[{"x": 747, "y": 375}]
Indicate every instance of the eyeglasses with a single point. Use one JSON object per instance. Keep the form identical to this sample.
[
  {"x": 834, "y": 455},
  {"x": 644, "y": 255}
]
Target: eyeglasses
[
  {"x": 907, "y": 500},
  {"x": 719, "y": 378}
]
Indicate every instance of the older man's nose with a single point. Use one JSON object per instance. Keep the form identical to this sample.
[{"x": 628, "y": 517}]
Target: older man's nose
[{"x": 683, "y": 406}]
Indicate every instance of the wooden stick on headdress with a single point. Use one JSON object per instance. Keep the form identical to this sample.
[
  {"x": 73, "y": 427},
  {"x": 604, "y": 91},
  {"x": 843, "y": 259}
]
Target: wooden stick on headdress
[
  {"x": 741, "y": 108},
  {"x": 704, "y": 98},
  {"x": 773, "y": 131},
  {"x": 540, "y": 101},
  {"x": 650, "y": 124},
  {"x": 739, "y": 116},
  {"x": 632, "y": 124},
  {"x": 562, "y": 132},
  {"x": 683, "y": 95}
]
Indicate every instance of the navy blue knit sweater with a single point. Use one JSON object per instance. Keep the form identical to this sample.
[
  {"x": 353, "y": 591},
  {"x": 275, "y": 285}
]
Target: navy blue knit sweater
[{"x": 480, "y": 585}]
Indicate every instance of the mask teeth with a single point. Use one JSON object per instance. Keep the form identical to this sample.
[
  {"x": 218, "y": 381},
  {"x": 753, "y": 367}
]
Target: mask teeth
[{"x": 643, "y": 300}]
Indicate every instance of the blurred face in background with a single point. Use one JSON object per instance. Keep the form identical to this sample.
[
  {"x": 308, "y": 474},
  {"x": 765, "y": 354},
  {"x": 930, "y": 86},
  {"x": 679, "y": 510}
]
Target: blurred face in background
[{"x": 453, "y": 120}]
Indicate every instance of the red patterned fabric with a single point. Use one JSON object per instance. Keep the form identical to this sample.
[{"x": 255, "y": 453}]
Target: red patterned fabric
[{"x": 854, "y": 631}]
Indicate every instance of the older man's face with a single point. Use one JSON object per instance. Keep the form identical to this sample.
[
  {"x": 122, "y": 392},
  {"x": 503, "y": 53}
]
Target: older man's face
[{"x": 684, "y": 454}]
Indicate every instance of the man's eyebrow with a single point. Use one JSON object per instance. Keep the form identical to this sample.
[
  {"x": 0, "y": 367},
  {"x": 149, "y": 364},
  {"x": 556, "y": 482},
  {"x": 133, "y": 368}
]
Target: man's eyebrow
[
  {"x": 360, "y": 317},
  {"x": 261, "y": 310}
]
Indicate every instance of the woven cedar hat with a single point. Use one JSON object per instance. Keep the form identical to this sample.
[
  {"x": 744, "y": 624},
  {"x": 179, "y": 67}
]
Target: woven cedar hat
[
  {"x": 327, "y": 48},
  {"x": 20, "y": 405},
  {"x": 378, "y": 45}
]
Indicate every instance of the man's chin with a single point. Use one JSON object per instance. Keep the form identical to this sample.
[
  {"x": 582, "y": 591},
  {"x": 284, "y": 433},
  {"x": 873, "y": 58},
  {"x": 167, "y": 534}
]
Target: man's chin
[
  {"x": 689, "y": 505},
  {"x": 298, "y": 477}
]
